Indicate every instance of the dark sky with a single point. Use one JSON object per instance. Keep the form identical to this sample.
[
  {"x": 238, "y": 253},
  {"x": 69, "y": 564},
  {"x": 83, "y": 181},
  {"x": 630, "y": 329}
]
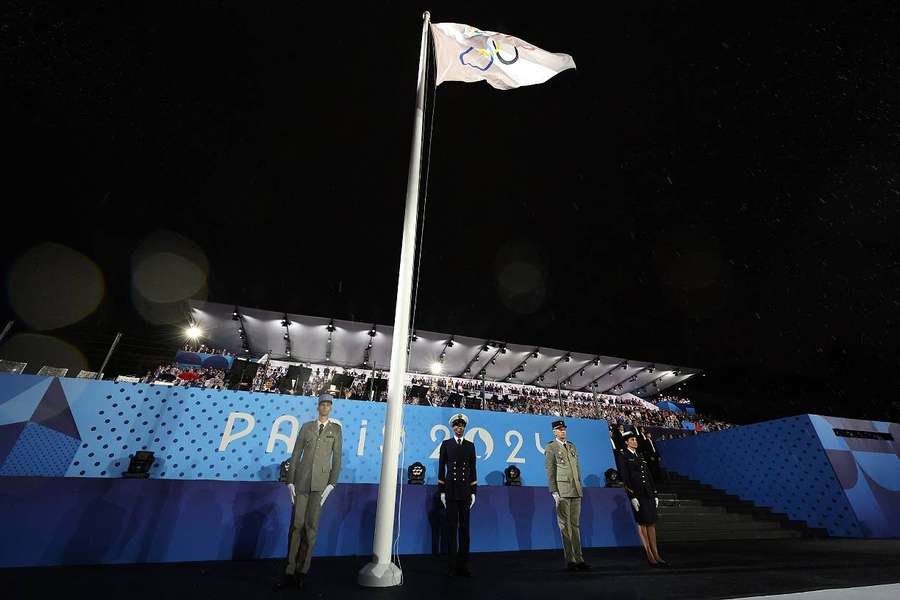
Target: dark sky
[{"x": 714, "y": 186}]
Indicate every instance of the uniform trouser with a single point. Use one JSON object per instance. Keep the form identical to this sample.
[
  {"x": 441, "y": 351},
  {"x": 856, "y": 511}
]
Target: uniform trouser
[
  {"x": 568, "y": 513},
  {"x": 458, "y": 522},
  {"x": 302, "y": 534}
]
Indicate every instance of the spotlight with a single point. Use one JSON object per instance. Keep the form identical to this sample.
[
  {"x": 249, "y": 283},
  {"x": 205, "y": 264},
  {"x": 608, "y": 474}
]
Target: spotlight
[
  {"x": 624, "y": 365},
  {"x": 484, "y": 348},
  {"x": 536, "y": 353},
  {"x": 612, "y": 478},
  {"x": 450, "y": 343},
  {"x": 512, "y": 476},
  {"x": 443, "y": 354},
  {"x": 285, "y": 336},
  {"x": 503, "y": 349},
  {"x": 541, "y": 378},
  {"x": 596, "y": 362},
  {"x": 493, "y": 361},
  {"x": 651, "y": 368},
  {"x": 285, "y": 322},
  {"x": 467, "y": 371},
  {"x": 436, "y": 367},
  {"x": 369, "y": 347},
  {"x": 416, "y": 474},
  {"x": 139, "y": 465},
  {"x": 372, "y": 331},
  {"x": 581, "y": 373},
  {"x": 331, "y": 326},
  {"x": 234, "y": 315},
  {"x": 567, "y": 358},
  {"x": 553, "y": 369},
  {"x": 193, "y": 332},
  {"x": 288, "y": 352},
  {"x": 415, "y": 338}
]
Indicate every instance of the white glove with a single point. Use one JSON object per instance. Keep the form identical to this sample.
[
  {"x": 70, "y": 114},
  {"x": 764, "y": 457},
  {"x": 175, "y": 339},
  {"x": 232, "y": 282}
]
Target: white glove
[
  {"x": 657, "y": 502},
  {"x": 325, "y": 492},
  {"x": 293, "y": 491},
  {"x": 636, "y": 504},
  {"x": 473, "y": 502},
  {"x": 444, "y": 499},
  {"x": 556, "y": 498}
]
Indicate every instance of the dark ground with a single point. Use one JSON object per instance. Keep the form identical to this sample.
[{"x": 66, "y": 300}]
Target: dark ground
[{"x": 700, "y": 570}]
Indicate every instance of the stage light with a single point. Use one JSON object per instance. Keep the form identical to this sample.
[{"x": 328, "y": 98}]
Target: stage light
[
  {"x": 484, "y": 348},
  {"x": 139, "y": 465},
  {"x": 450, "y": 343},
  {"x": 581, "y": 373},
  {"x": 288, "y": 352},
  {"x": 624, "y": 365},
  {"x": 612, "y": 478},
  {"x": 415, "y": 338},
  {"x": 512, "y": 476},
  {"x": 596, "y": 362},
  {"x": 536, "y": 353},
  {"x": 467, "y": 371},
  {"x": 372, "y": 331},
  {"x": 567, "y": 358},
  {"x": 541, "y": 378},
  {"x": 416, "y": 474},
  {"x": 651, "y": 368},
  {"x": 330, "y": 328},
  {"x": 234, "y": 315},
  {"x": 285, "y": 336},
  {"x": 493, "y": 361},
  {"x": 503, "y": 349},
  {"x": 193, "y": 332},
  {"x": 553, "y": 369},
  {"x": 436, "y": 367}
]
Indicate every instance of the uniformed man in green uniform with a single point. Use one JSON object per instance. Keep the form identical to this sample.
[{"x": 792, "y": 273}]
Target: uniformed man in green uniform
[
  {"x": 313, "y": 473},
  {"x": 564, "y": 479}
]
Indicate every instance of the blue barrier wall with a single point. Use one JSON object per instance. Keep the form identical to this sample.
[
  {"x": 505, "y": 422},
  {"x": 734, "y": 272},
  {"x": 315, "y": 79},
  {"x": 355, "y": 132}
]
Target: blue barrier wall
[
  {"x": 53, "y": 521},
  {"x": 85, "y": 428},
  {"x": 867, "y": 469},
  {"x": 778, "y": 464}
]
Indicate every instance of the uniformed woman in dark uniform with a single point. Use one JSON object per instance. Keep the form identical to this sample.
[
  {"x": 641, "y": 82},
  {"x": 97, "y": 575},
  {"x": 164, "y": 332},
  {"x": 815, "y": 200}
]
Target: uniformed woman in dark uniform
[
  {"x": 638, "y": 482},
  {"x": 457, "y": 484}
]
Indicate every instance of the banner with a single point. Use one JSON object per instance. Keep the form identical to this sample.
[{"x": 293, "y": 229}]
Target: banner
[{"x": 83, "y": 428}]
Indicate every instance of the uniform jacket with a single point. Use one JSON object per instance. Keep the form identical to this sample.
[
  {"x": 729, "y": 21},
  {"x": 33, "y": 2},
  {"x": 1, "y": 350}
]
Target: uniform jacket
[
  {"x": 563, "y": 470},
  {"x": 316, "y": 459},
  {"x": 635, "y": 474},
  {"x": 456, "y": 469}
]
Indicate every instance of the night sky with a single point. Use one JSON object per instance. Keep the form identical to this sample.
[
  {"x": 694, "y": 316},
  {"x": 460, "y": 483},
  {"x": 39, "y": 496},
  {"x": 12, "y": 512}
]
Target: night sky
[{"x": 714, "y": 186}]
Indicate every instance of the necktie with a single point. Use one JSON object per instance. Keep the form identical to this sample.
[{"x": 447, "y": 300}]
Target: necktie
[
  {"x": 321, "y": 428},
  {"x": 459, "y": 441}
]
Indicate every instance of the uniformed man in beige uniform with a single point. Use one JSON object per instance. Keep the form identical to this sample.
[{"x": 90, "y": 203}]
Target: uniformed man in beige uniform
[
  {"x": 564, "y": 480},
  {"x": 313, "y": 473}
]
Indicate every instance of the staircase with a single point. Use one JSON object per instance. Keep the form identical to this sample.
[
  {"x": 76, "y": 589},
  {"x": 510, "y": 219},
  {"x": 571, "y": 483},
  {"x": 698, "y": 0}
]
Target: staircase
[{"x": 693, "y": 511}]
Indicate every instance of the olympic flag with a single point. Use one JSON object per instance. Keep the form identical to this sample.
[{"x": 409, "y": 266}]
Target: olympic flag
[{"x": 466, "y": 53}]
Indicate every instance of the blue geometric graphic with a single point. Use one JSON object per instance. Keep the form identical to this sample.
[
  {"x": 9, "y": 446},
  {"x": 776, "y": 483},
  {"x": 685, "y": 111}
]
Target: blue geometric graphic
[{"x": 40, "y": 451}]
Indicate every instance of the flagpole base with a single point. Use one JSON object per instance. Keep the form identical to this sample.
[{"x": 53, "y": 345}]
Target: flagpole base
[{"x": 380, "y": 575}]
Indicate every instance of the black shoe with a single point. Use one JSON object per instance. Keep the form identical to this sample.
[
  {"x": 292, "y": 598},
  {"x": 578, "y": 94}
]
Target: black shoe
[
  {"x": 571, "y": 567},
  {"x": 583, "y": 566}
]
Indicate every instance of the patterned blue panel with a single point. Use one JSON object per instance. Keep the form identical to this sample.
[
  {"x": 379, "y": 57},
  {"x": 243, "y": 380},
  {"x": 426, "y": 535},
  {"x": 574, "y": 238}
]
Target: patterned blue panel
[
  {"x": 778, "y": 464},
  {"x": 226, "y": 435},
  {"x": 40, "y": 451},
  {"x": 20, "y": 395},
  {"x": 868, "y": 470}
]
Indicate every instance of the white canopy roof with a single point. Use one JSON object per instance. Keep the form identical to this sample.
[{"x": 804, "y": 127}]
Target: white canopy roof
[{"x": 452, "y": 355}]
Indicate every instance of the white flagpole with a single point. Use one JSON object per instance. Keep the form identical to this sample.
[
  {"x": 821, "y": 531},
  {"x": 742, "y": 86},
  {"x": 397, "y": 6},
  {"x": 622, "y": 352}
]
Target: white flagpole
[{"x": 381, "y": 572}]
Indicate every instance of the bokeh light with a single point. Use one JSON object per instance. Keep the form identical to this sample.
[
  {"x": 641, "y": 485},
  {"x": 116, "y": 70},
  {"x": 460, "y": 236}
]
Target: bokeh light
[
  {"x": 52, "y": 286},
  {"x": 167, "y": 270},
  {"x": 40, "y": 350}
]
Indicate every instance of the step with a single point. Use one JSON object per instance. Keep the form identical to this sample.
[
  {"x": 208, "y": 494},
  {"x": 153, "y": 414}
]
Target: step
[
  {"x": 705, "y": 517},
  {"x": 689, "y": 509},
  {"x": 665, "y": 524},
  {"x": 701, "y": 535},
  {"x": 666, "y": 496}
]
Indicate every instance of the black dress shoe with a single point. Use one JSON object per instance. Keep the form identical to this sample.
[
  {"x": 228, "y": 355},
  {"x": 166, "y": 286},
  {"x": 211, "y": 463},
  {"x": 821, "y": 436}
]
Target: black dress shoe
[
  {"x": 572, "y": 567},
  {"x": 583, "y": 566}
]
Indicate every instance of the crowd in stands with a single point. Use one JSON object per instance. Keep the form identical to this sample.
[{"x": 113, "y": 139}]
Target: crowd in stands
[
  {"x": 204, "y": 349},
  {"x": 459, "y": 393}
]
